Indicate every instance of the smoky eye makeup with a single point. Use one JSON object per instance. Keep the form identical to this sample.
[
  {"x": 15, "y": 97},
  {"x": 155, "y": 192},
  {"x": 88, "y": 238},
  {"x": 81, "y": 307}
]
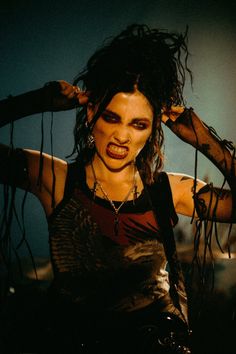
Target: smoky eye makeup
[
  {"x": 141, "y": 124},
  {"x": 110, "y": 117},
  {"x": 137, "y": 123}
]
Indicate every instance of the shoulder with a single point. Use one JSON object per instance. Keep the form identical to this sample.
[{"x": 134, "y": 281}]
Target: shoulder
[
  {"x": 181, "y": 180},
  {"x": 48, "y": 162},
  {"x": 47, "y": 175},
  {"x": 177, "y": 178}
]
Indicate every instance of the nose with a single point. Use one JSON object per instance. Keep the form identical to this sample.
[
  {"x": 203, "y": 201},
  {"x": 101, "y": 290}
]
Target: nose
[{"x": 122, "y": 136}]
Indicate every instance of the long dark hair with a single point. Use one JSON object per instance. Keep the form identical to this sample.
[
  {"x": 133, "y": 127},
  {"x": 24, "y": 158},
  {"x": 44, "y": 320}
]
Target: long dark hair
[{"x": 156, "y": 61}]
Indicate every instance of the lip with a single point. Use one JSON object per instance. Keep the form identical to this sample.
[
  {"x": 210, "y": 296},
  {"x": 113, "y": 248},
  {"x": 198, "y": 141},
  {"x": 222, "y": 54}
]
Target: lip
[{"x": 116, "y": 151}]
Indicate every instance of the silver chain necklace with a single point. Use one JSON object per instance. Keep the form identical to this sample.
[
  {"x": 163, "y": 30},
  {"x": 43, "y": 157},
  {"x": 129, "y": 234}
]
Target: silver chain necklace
[{"x": 116, "y": 210}]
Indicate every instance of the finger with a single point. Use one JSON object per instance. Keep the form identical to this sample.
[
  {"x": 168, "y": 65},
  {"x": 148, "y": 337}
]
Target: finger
[
  {"x": 172, "y": 109},
  {"x": 172, "y": 114},
  {"x": 71, "y": 92},
  {"x": 74, "y": 92},
  {"x": 64, "y": 85},
  {"x": 83, "y": 97},
  {"x": 164, "y": 118},
  {"x": 177, "y": 109},
  {"x": 68, "y": 90}
]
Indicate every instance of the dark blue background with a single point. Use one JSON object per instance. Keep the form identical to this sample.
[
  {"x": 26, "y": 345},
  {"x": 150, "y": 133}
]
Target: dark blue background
[
  {"x": 42, "y": 41},
  {"x": 48, "y": 40}
]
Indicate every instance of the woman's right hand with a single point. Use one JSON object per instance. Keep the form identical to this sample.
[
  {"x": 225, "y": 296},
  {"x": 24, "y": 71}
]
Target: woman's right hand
[
  {"x": 73, "y": 93},
  {"x": 61, "y": 95},
  {"x": 54, "y": 96}
]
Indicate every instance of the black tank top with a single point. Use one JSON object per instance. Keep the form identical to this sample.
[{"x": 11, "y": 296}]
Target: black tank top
[{"x": 94, "y": 266}]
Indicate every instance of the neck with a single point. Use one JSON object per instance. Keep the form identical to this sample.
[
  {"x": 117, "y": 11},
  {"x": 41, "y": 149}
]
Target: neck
[
  {"x": 106, "y": 175},
  {"x": 116, "y": 183}
]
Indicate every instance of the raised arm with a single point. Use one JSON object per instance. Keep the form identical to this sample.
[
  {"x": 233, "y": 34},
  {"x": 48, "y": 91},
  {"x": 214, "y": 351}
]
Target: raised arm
[
  {"x": 54, "y": 96},
  {"x": 210, "y": 202},
  {"x": 20, "y": 168}
]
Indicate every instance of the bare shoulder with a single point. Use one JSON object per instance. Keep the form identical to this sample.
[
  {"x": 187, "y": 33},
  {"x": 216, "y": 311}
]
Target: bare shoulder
[
  {"x": 50, "y": 164},
  {"x": 52, "y": 177},
  {"x": 181, "y": 179}
]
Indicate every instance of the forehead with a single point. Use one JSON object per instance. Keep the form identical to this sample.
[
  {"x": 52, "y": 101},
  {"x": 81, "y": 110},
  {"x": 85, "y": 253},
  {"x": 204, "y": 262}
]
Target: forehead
[{"x": 133, "y": 104}]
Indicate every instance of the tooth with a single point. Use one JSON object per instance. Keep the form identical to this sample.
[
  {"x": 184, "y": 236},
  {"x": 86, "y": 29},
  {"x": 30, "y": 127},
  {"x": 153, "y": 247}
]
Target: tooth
[{"x": 117, "y": 149}]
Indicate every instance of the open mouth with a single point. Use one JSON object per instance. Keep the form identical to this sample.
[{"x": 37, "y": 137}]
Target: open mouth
[{"x": 116, "y": 152}]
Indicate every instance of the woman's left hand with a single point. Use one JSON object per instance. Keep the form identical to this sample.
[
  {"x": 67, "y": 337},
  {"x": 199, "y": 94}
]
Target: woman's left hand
[
  {"x": 184, "y": 123},
  {"x": 173, "y": 113}
]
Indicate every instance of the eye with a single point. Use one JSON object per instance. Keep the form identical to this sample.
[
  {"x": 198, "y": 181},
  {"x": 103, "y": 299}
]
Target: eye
[
  {"x": 110, "y": 118},
  {"x": 140, "y": 125}
]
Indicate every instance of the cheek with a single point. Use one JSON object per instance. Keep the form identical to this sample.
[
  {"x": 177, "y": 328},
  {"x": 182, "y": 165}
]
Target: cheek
[
  {"x": 101, "y": 136},
  {"x": 141, "y": 143},
  {"x": 99, "y": 132},
  {"x": 143, "y": 138}
]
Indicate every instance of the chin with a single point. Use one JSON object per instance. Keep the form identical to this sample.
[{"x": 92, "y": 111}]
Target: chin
[{"x": 117, "y": 164}]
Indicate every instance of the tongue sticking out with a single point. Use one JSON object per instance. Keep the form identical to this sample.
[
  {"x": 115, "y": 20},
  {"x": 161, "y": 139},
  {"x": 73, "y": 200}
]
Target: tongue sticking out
[{"x": 116, "y": 152}]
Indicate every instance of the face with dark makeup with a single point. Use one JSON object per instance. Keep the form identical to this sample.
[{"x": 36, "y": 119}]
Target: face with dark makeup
[{"x": 122, "y": 129}]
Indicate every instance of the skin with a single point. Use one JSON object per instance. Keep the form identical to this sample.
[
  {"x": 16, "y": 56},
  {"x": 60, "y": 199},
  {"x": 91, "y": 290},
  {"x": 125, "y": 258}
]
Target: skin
[{"x": 120, "y": 134}]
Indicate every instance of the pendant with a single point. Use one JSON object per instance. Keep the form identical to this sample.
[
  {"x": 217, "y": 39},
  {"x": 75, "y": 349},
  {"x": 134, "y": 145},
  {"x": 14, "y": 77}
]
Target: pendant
[
  {"x": 135, "y": 194},
  {"x": 94, "y": 189},
  {"x": 116, "y": 225}
]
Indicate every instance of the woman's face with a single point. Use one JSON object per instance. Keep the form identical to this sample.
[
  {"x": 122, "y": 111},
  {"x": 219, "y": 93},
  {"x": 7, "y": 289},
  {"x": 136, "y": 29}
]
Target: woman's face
[{"x": 122, "y": 129}]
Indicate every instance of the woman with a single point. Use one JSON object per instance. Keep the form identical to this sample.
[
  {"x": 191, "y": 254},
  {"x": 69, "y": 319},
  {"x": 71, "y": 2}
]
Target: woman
[{"x": 111, "y": 212}]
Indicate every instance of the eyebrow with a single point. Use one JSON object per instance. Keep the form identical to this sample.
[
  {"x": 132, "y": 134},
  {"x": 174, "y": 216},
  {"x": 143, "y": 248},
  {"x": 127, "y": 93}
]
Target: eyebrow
[
  {"x": 115, "y": 115},
  {"x": 111, "y": 113}
]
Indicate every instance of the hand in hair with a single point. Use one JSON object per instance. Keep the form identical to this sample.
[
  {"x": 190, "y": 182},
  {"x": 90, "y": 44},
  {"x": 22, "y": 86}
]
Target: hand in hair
[
  {"x": 180, "y": 120},
  {"x": 62, "y": 96},
  {"x": 73, "y": 93},
  {"x": 52, "y": 97},
  {"x": 171, "y": 114}
]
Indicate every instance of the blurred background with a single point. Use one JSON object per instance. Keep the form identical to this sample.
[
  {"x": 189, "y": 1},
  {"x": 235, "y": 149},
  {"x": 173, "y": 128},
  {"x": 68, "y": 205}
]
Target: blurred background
[{"x": 42, "y": 41}]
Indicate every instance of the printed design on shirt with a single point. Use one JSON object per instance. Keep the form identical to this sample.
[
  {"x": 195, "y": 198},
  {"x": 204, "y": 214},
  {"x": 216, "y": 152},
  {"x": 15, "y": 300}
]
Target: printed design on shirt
[{"x": 92, "y": 265}]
